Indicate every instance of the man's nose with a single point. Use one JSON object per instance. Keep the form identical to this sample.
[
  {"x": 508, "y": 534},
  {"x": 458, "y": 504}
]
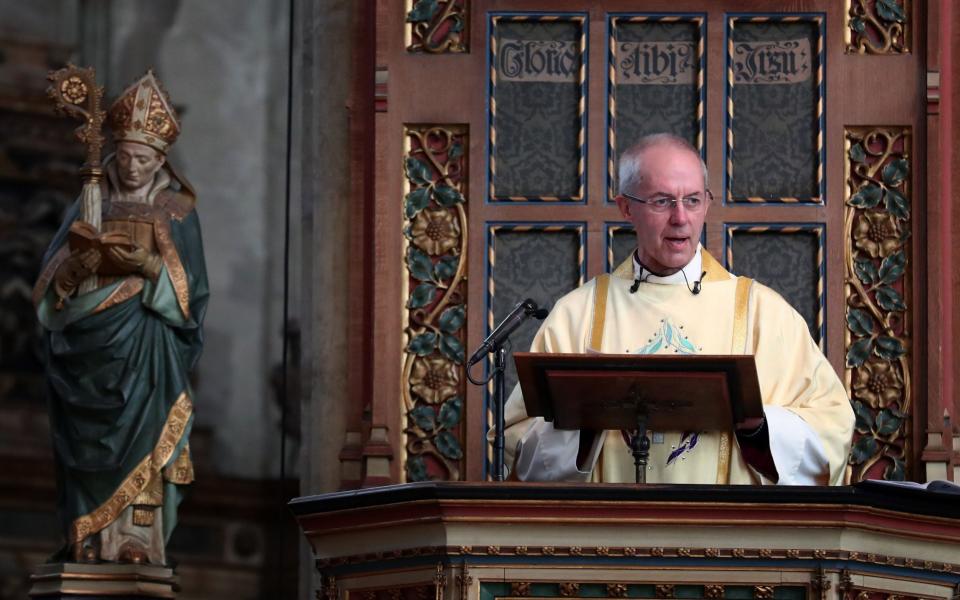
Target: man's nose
[{"x": 679, "y": 214}]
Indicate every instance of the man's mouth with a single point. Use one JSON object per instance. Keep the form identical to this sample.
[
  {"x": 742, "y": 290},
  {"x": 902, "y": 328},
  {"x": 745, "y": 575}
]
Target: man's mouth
[{"x": 675, "y": 242}]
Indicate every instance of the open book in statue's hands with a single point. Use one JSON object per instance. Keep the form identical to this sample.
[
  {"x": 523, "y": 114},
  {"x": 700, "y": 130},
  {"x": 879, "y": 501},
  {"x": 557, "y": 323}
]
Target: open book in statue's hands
[{"x": 84, "y": 236}]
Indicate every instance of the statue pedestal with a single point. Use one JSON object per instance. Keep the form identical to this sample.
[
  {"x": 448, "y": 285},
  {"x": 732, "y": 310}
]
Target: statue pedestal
[{"x": 77, "y": 580}]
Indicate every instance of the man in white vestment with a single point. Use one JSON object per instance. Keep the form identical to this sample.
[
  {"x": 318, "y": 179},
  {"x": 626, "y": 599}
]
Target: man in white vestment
[{"x": 673, "y": 297}]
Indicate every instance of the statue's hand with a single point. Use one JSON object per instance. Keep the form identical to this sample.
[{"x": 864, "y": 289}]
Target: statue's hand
[
  {"x": 77, "y": 267},
  {"x": 137, "y": 260}
]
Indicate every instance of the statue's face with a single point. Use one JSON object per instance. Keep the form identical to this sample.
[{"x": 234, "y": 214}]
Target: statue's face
[{"x": 137, "y": 164}]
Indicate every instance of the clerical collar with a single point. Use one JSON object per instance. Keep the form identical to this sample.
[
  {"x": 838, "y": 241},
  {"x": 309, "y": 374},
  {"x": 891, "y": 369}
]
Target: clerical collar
[{"x": 690, "y": 272}]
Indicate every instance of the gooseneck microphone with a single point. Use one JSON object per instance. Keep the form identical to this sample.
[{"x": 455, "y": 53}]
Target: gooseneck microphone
[{"x": 520, "y": 313}]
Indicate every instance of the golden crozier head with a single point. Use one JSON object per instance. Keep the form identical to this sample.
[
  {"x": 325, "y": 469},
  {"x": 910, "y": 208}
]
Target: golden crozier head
[{"x": 143, "y": 114}]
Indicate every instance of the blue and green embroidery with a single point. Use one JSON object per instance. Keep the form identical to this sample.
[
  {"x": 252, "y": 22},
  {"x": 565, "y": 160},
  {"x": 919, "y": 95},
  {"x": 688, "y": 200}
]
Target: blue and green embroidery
[
  {"x": 668, "y": 337},
  {"x": 671, "y": 338}
]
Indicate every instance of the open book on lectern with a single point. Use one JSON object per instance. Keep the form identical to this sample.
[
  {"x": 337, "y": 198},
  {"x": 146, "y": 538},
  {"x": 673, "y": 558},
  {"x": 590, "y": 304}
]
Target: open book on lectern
[{"x": 611, "y": 391}]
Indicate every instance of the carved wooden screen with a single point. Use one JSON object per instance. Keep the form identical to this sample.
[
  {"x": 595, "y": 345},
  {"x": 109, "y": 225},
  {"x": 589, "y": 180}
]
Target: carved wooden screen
[{"x": 497, "y": 136}]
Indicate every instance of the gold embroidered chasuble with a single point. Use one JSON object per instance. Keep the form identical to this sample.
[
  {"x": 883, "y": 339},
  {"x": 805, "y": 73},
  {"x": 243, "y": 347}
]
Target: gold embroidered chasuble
[{"x": 664, "y": 318}]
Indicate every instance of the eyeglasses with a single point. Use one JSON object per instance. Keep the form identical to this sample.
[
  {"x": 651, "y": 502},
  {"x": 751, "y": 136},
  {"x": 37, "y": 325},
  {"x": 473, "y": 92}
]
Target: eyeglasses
[{"x": 662, "y": 203}]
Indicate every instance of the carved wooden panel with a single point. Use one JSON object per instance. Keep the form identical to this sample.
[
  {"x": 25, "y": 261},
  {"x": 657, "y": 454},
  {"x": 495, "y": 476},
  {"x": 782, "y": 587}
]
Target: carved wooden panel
[
  {"x": 435, "y": 247},
  {"x": 775, "y": 116},
  {"x": 437, "y": 26},
  {"x": 787, "y": 258},
  {"x": 537, "y": 108},
  {"x": 879, "y": 299},
  {"x": 540, "y": 261},
  {"x": 878, "y": 26},
  {"x": 656, "y": 82}
]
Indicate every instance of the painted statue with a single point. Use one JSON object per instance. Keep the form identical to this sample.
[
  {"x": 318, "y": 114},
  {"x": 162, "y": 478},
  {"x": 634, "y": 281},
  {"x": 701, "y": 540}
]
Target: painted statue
[{"x": 121, "y": 298}]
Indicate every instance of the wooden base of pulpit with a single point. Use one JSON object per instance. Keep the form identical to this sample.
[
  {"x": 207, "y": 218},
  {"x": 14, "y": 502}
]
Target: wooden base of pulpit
[
  {"x": 480, "y": 541},
  {"x": 103, "y": 580}
]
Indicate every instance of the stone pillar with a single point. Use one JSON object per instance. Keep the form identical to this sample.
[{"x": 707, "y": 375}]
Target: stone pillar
[{"x": 323, "y": 70}]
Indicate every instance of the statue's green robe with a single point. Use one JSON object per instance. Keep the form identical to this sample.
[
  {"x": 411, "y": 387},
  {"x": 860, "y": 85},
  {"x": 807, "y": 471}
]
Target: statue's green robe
[{"x": 117, "y": 364}]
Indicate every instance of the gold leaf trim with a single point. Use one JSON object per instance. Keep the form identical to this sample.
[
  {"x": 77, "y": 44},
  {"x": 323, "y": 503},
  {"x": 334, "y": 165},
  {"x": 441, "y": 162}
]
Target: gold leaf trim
[
  {"x": 46, "y": 276},
  {"x": 599, "y": 312},
  {"x": 174, "y": 267},
  {"x": 138, "y": 479},
  {"x": 180, "y": 471},
  {"x": 130, "y": 287}
]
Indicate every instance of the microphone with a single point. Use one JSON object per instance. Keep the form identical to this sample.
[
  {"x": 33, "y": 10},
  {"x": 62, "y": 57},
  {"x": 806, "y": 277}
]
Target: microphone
[
  {"x": 696, "y": 284},
  {"x": 519, "y": 314}
]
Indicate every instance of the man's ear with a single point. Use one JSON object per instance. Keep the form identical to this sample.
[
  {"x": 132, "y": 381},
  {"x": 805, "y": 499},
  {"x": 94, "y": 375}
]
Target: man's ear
[{"x": 624, "y": 205}]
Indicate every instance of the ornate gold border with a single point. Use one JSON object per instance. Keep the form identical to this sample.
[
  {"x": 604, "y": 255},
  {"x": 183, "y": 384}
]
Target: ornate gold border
[
  {"x": 171, "y": 259},
  {"x": 651, "y": 552},
  {"x": 43, "y": 281},
  {"x": 131, "y": 286},
  {"x": 86, "y": 525}
]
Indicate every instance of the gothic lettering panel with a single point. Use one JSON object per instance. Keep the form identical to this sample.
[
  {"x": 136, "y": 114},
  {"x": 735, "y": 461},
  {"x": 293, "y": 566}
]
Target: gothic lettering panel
[
  {"x": 537, "y": 108},
  {"x": 786, "y": 258},
  {"x": 542, "y": 262},
  {"x": 775, "y": 113},
  {"x": 656, "y": 82}
]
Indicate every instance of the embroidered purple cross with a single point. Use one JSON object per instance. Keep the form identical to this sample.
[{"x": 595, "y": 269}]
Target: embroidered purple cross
[{"x": 687, "y": 443}]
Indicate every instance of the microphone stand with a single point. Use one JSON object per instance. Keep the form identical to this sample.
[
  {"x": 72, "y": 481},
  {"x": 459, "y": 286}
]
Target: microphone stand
[
  {"x": 499, "y": 401},
  {"x": 494, "y": 343}
]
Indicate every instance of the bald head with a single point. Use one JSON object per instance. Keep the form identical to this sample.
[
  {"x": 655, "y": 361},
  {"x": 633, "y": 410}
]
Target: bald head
[{"x": 632, "y": 163}]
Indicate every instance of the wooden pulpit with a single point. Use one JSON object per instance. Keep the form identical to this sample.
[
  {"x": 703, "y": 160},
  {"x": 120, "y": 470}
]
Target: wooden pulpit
[{"x": 481, "y": 541}]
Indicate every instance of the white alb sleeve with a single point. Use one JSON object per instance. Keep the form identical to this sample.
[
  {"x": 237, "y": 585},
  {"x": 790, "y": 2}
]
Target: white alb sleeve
[
  {"x": 548, "y": 454},
  {"x": 796, "y": 449}
]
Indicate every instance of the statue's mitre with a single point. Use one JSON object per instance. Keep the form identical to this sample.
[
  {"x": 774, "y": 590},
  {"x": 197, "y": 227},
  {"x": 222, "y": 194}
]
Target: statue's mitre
[{"x": 143, "y": 114}]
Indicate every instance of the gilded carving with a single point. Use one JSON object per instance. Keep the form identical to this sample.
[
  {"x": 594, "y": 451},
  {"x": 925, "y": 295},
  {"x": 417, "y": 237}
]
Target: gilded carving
[
  {"x": 878, "y": 27},
  {"x": 878, "y": 295},
  {"x": 762, "y": 592},
  {"x": 439, "y": 583},
  {"x": 435, "y": 245},
  {"x": 569, "y": 589},
  {"x": 821, "y": 583},
  {"x": 520, "y": 588},
  {"x": 713, "y": 591},
  {"x": 664, "y": 591},
  {"x": 437, "y": 26},
  {"x": 464, "y": 581},
  {"x": 616, "y": 590},
  {"x": 76, "y": 94}
]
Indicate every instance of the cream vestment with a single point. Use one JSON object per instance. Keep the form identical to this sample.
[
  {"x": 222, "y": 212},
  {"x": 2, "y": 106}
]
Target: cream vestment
[{"x": 809, "y": 417}]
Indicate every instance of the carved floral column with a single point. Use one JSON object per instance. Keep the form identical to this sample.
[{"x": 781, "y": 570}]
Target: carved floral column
[
  {"x": 879, "y": 300},
  {"x": 435, "y": 250}
]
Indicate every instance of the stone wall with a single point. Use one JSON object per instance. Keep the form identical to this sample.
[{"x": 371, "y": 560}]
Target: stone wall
[{"x": 226, "y": 69}]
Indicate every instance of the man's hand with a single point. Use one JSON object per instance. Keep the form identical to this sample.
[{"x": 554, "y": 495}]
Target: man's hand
[
  {"x": 137, "y": 260},
  {"x": 77, "y": 267},
  {"x": 750, "y": 424}
]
